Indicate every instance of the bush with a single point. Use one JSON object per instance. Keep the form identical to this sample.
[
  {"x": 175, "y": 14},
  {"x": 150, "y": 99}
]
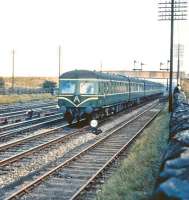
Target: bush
[{"x": 49, "y": 85}]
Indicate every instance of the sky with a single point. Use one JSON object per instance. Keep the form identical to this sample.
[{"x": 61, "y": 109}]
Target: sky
[{"x": 91, "y": 33}]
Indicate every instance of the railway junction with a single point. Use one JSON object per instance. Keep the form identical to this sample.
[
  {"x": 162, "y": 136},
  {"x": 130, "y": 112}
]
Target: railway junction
[
  {"x": 106, "y": 117},
  {"x": 64, "y": 156},
  {"x": 44, "y": 156}
]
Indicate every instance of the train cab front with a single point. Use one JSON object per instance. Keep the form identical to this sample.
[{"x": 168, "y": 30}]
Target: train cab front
[{"x": 76, "y": 98}]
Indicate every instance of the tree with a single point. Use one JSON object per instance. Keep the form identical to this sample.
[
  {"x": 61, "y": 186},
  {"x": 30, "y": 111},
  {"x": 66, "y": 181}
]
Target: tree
[{"x": 49, "y": 85}]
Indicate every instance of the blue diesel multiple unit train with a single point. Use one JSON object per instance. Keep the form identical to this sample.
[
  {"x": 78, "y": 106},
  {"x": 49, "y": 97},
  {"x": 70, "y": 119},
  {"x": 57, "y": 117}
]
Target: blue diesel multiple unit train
[{"x": 93, "y": 94}]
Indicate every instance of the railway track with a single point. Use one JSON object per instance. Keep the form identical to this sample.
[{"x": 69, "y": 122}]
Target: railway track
[
  {"x": 27, "y": 122},
  {"x": 32, "y": 154},
  {"x": 69, "y": 178},
  {"x": 20, "y": 108},
  {"x": 22, "y": 128},
  {"x": 28, "y": 142},
  {"x": 15, "y": 113},
  {"x": 29, "y": 125},
  {"x": 19, "y": 116},
  {"x": 15, "y": 150}
]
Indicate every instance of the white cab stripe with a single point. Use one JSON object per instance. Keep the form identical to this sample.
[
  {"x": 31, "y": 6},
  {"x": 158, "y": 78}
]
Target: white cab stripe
[{"x": 89, "y": 99}]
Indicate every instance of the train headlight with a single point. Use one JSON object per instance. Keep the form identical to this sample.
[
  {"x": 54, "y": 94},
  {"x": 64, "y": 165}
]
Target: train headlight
[{"x": 94, "y": 123}]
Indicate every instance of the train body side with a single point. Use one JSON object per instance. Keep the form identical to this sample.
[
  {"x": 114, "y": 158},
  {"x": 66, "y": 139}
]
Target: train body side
[{"x": 84, "y": 92}]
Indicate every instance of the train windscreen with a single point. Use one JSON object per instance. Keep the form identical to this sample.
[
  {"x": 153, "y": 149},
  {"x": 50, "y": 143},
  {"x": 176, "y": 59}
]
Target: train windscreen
[
  {"x": 67, "y": 86},
  {"x": 87, "y": 87}
]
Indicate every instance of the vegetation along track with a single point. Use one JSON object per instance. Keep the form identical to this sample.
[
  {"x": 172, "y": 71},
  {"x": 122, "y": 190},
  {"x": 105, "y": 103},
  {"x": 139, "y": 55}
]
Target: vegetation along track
[{"x": 70, "y": 178}]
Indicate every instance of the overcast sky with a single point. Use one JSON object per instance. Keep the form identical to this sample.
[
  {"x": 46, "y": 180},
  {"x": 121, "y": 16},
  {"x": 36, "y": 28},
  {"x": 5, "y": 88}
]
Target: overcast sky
[{"x": 91, "y": 32}]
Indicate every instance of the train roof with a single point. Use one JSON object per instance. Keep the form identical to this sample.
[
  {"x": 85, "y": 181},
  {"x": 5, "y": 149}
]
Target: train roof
[{"x": 87, "y": 74}]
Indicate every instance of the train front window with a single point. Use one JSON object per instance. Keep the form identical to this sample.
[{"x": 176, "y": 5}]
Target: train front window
[
  {"x": 87, "y": 87},
  {"x": 67, "y": 86}
]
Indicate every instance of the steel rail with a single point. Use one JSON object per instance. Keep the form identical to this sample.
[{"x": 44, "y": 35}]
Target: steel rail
[
  {"x": 113, "y": 158},
  {"x": 36, "y": 182},
  {"x": 24, "y": 123},
  {"x": 32, "y": 127},
  {"x": 21, "y": 112},
  {"x": 8, "y": 145},
  {"x": 41, "y": 146},
  {"x": 13, "y": 119},
  {"x": 37, "y": 148},
  {"x": 14, "y": 143},
  {"x": 13, "y": 132},
  {"x": 18, "y": 108}
]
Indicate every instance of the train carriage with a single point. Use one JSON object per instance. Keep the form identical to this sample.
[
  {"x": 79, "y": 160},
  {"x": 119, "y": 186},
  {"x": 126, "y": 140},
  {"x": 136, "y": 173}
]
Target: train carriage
[{"x": 94, "y": 94}]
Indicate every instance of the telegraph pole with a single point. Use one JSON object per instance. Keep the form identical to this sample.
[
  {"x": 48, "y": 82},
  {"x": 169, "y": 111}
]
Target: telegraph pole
[
  {"x": 172, "y": 10},
  {"x": 13, "y": 54},
  {"x": 171, "y": 58},
  {"x": 179, "y": 55},
  {"x": 59, "y": 68},
  {"x": 59, "y": 61},
  {"x": 178, "y": 65},
  {"x": 101, "y": 65}
]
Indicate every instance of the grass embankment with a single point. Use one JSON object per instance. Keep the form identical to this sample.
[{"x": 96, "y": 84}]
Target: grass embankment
[
  {"x": 28, "y": 82},
  {"x": 136, "y": 177},
  {"x": 8, "y": 99}
]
